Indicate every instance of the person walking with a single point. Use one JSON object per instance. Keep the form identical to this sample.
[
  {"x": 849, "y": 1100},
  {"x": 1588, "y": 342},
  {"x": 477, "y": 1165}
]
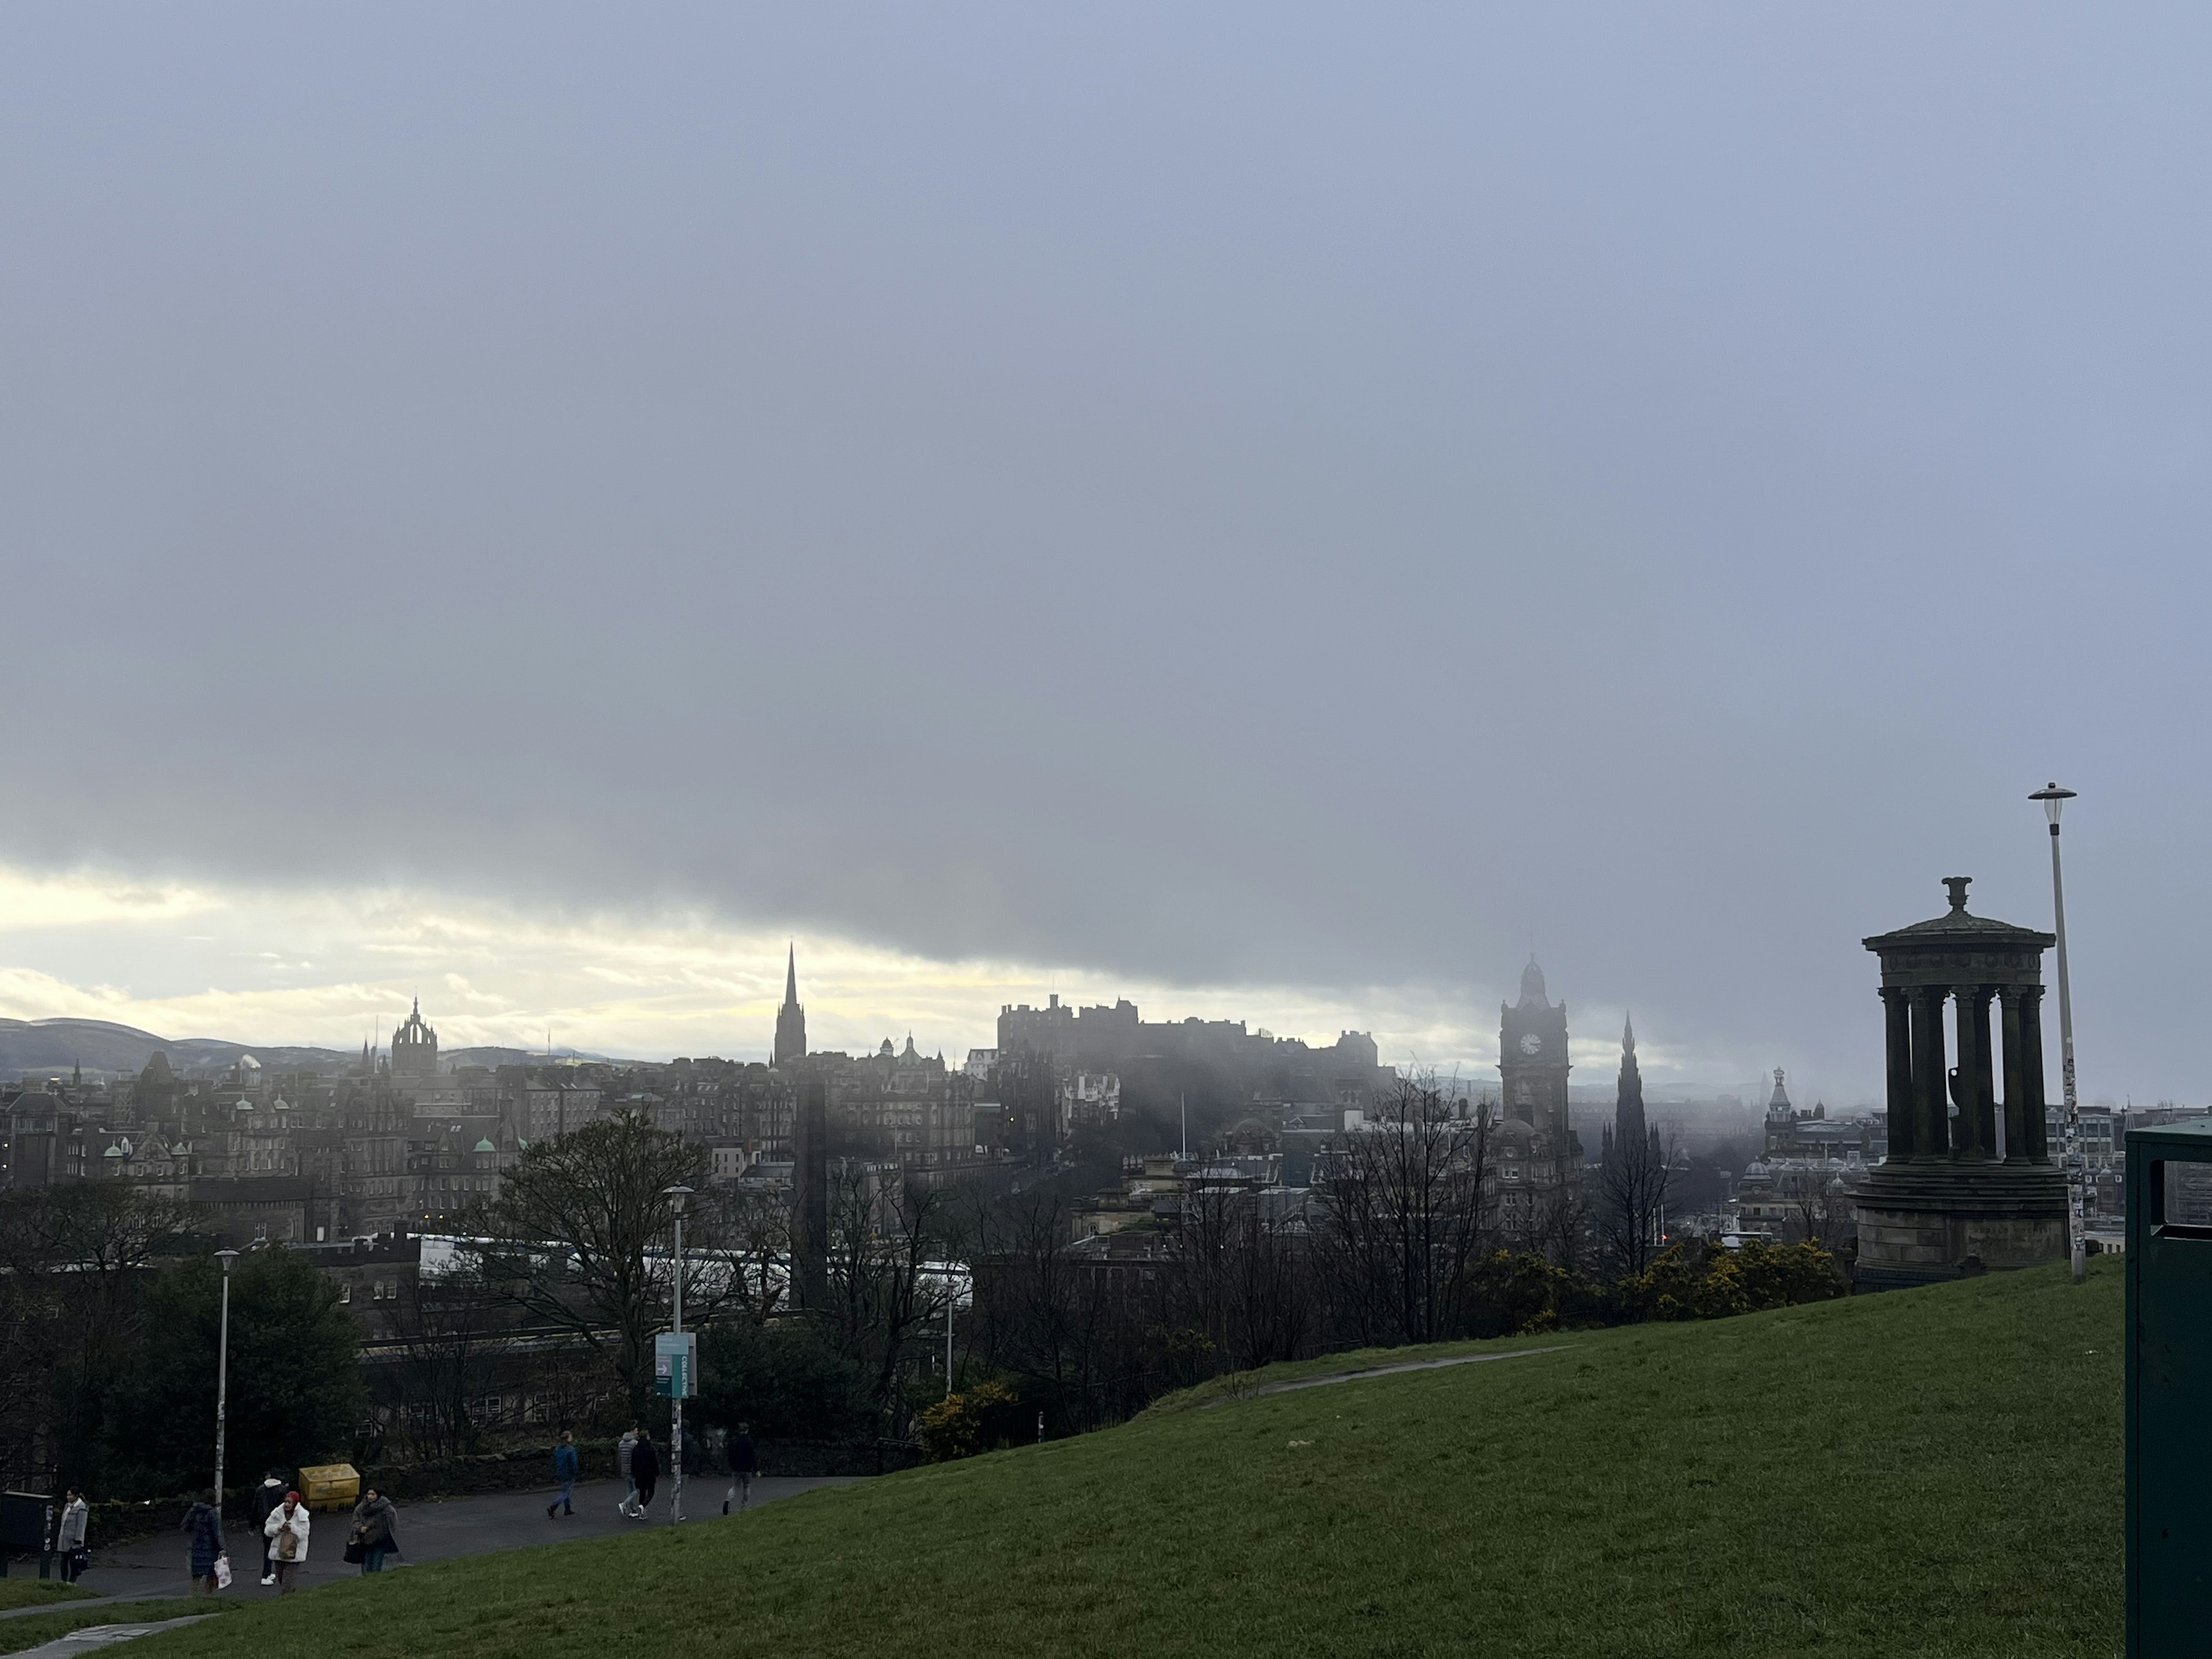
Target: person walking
[
  {"x": 744, "y": 1464},
  {"x": 625, "y": 1451},
  {"x": 644, "y": 1470},
  {"x": 202, "y": 1527},
  {"x": 286, "y": 1530},
  {"x": 266, "y": 1496},
  {"x": 564, "y": 1471},
  {"x": 375, "y": 1529},
  {"x": 68, "y": 1541}
]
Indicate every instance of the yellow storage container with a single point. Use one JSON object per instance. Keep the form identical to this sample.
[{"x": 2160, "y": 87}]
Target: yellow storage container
[{"x": 331, "y": 1486}]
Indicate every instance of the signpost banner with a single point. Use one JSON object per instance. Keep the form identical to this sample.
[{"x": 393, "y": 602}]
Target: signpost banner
[{"x": 675, "y": 1365}]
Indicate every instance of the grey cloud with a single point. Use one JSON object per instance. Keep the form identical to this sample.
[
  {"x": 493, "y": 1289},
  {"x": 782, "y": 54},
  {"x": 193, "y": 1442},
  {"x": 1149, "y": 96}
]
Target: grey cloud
[{"x": 1265, "y": 495}]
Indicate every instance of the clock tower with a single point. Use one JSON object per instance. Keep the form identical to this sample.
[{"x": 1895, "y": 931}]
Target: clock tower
[{"x": 1531, "y": 1057}]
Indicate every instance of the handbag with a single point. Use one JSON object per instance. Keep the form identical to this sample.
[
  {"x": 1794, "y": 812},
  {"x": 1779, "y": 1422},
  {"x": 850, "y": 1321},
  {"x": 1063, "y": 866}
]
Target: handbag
[
  {"x": 357, "y": 1552},
  {"x": 222, "y": 1572}
]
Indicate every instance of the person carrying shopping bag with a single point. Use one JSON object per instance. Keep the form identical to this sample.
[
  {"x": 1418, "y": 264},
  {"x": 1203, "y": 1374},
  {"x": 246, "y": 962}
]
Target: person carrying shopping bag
[
  {"x": 286, "y": 1530},
  {"x": 203, "y": 1528}
]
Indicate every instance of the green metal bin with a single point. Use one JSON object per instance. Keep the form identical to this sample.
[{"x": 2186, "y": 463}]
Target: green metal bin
[{"x": 2169, "y": 1388}]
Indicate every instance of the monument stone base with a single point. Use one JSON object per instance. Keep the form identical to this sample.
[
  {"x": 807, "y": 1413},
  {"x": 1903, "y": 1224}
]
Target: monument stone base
[{"x": 1922, "y": 1222}]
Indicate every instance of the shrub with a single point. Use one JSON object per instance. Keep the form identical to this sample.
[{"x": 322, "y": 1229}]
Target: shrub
[
  {"x": 1706, "y": 1279},
  {"x": 980, "y": 1419}
]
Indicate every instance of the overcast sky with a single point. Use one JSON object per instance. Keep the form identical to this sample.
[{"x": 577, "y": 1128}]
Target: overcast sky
[{"x": 1276, "y": 509}]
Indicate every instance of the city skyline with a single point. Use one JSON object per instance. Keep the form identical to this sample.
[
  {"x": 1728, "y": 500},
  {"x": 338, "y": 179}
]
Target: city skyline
[{"x": 704, "y": 991}]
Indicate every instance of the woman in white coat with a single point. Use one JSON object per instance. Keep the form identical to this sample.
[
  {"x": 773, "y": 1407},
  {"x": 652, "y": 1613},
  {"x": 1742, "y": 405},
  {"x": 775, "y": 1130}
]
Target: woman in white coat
[
  {"x": 68, "y": 1543},
  {"x": 286, "y": 1530}
]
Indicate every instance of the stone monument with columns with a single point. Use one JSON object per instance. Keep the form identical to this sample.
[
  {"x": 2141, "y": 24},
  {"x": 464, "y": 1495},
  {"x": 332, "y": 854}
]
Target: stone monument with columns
[{"x": 1969, "y": 1183}]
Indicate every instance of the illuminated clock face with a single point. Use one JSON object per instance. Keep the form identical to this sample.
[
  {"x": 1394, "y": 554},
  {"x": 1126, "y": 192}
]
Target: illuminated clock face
[{"x": 1532, "y": 1044}]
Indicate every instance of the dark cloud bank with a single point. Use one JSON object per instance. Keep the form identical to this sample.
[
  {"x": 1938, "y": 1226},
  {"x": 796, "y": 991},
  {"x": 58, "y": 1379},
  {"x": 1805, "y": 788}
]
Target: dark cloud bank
[{"x": 1270, "y": 495}]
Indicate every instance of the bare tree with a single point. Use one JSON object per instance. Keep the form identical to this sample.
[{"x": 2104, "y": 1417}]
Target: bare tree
[
  {"x": 752, "y": 1240},
  {"x": 1631, "y": 1209},
  {"x": 880, "y": 1297},
  {"x": 1081, "y": 1333},
  {"x": 579, "y": 1238},
  {"x": 1402, "y": 1219},
  {"x": 448, "y": 1342},
  {"x": 1827, "y": 1219}
]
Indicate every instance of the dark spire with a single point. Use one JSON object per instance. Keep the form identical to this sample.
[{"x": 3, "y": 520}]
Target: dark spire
[
  {"x": 1628, "y": 1095},
  {"x": 791, "y": 977}
]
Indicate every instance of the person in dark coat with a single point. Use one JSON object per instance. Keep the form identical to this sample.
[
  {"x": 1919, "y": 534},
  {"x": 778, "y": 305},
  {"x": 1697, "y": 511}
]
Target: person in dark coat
[
  {"x": 744, "y": 1464},
  {"x": 203, "y": 1528},
  {"x": 375, "y": 1529},
  {"x": 644, "y": 1470},
  {"x": 266, "y": 1496}
]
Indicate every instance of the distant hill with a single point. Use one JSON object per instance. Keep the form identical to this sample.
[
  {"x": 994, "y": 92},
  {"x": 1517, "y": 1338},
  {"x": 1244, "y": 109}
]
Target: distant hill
[
  {"x": 55, "y": 1045},
  {"x": 495, "y": 1057},
  {"x": 48, "y": 1047}
]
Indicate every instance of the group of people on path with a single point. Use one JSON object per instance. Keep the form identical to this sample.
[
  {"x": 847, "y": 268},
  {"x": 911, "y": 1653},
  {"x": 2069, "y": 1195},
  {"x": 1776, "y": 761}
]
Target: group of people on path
[
  {"x": 637, "y": 1461},
  {"x": 285, "y": 1524}
]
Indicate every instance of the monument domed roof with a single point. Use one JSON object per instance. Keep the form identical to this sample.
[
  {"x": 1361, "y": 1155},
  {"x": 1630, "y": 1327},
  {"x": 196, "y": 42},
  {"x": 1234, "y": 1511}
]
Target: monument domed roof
[{"x": 1959, "y": 926}]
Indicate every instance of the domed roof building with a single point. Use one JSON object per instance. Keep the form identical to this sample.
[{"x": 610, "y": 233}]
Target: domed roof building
[{"x": 414, "y": 1046}]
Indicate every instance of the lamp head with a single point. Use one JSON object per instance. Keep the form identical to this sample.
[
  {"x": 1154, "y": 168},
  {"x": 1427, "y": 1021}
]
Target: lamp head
[
  {"x": 2054, "y": 800},
  {"x": 226, "y": 1257},
  {"x": 676, "y": 1197}
]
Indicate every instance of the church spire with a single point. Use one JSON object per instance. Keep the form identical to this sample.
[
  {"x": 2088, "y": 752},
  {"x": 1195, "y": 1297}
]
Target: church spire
[{"x": 791, "y": 1019}]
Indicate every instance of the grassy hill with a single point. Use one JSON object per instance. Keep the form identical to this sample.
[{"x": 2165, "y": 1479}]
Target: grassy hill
[{"x": 1928, "y": 1472}]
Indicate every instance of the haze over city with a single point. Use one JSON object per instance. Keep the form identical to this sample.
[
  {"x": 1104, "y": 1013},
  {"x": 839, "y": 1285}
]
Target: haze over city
[{"x": 1267, "y": 515}]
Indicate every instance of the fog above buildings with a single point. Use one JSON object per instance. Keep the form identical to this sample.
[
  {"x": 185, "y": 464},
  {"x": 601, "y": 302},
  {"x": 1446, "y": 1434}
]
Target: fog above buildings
[{"x": 1263, "y": 499}]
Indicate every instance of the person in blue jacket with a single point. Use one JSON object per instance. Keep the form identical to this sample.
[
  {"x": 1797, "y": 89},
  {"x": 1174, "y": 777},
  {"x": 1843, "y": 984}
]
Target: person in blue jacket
[{"x": 564, "y": 1471}]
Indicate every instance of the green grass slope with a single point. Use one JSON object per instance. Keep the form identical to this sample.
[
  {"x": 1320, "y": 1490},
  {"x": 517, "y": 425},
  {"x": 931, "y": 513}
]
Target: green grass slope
[
  {"x": 1929, "y": 1473},
  {"x": 36, "y": 1629},
  {"x": 35, "y": 1592}
]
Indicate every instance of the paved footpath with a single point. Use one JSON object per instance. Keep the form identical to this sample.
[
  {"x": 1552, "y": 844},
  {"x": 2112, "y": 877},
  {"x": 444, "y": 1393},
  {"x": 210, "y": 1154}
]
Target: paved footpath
[{"x": 429, "y": 1531}]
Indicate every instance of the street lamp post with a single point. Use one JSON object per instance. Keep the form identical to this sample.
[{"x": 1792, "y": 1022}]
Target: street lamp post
[
  {"x": 222, "y": 1380},
  {"x": 2054, "y": 800},
  {"x": 676, "y": 1196}
]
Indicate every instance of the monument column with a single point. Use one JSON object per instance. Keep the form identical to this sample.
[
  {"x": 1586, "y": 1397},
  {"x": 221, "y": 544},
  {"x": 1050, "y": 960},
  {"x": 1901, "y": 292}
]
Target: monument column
[
  {"x": 1897, "y": 1020},
  {"x": 2017, "y": 1138},
  {"x": 1977, "y": 1128},
  {"x": 2031, "y": 1048},
  {"x": 1931, "y": 1138}
]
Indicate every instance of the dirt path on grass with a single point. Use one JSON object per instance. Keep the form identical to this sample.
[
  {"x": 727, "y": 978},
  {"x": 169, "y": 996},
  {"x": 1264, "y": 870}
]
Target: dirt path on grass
[{"x": 1363, "y": 1372}]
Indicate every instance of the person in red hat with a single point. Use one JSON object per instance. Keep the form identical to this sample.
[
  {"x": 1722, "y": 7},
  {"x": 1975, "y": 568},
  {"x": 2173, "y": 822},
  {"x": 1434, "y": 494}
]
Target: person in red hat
[{"x": 286, "y": 1530}]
